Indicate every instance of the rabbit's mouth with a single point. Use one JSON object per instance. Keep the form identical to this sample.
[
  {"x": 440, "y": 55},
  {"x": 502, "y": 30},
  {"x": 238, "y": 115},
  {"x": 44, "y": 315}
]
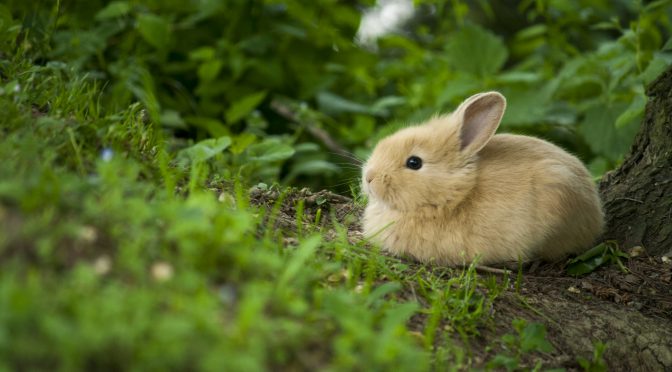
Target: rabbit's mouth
[
  {"x": 385, "y": 198},
  {"x": 398, "y": 200},
  {"x": 372, "y": 189},
  {"x": 381, "y": 189}
]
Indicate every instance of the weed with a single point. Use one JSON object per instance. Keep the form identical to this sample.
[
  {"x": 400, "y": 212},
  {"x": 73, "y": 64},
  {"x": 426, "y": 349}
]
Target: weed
[
  {"x": 596, "y": 363},
  {"x": 529, "y": 338},
  {"x": 602, "y": 254}
]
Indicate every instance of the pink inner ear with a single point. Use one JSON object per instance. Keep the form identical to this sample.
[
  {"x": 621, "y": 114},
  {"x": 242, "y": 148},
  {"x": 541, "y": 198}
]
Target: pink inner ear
[{"x": 480, "y": 120}]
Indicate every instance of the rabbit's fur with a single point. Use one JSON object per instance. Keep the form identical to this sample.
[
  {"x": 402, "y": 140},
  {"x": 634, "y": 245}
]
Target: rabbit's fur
[{"x": 501, "y": 197}]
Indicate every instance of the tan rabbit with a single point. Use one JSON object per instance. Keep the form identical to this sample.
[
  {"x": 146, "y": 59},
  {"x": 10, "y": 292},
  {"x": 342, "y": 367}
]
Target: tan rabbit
[{"x": 450, "y": 190}]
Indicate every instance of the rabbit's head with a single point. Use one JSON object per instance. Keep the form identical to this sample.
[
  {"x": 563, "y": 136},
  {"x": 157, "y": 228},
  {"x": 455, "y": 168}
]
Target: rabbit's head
[{"x": 434, "y": 164}]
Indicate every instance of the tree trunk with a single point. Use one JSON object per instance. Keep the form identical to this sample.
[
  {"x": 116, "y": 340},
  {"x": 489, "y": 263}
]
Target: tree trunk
[{"x": 637, "y": 196}]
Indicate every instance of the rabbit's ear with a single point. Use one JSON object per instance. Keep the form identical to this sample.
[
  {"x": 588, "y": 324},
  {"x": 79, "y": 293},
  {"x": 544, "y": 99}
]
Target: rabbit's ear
[{"x": 479, "y": 117}]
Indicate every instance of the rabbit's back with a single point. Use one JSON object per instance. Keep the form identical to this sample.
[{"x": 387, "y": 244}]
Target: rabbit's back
[{"x": 533, "y": 195}]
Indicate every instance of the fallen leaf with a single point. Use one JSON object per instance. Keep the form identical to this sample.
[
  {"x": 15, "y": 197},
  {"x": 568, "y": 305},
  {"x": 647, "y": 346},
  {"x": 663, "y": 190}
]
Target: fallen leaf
[{"x": 636, "y": 251}]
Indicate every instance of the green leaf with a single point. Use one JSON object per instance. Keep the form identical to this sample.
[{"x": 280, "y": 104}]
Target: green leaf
[
  {"x": 313, "y": 167},
  {"x": 270, "y": 151},
  {"x": 214, "y": 127},
  {"x": 668, "y": 45},
  {"x": 533, "y": 338},
  {"x": 331, "y": 103},
  {"x": 600, "y": 132},
  {"x": 518, "y": 77},
  {"x": 299, "y": 259},
  {"x": 580, "y": 86},
  {"x": 526, "y": 106},
  {"x": 477, "y": 51},
  {"x": 597, "y": 363},
  {"x": 155, "y": 30},
  {"x": 113, "y": 10},
  {"x": 560, "y": 113},
  {"x": 611, "y": 26},
  {"x": 589, "y": 260},
  {"x": 9, "y": 27},
  {"x": 382, "y": 105},
  {"x": 242, "y": 107},
  {"x": 634, "y": 111},
  {"x": 202, "y": 54},
  {"x": 500, "y": 360},
  {"x": 242, "y": 142},
  {"x": 459, "y": 88},
  {"x": 172, "y": 119},
  {"x": 655, "y": 5},
  {"x": 598, "y": 167},
  {"x": 206, "y": 149},
  {"x": 206, "y": 9},
  {"x": 398, "y": 315},
  {"x": 532, "y": 32},
  {"x": 307, "y": 147},
  {"x": 658, "y": 64},
  {"x": 381, "y": 291},
  {"x": 585, "y": 267},
  {"x": 597, "y": 250},
  {"x": 209, "y": 70}
]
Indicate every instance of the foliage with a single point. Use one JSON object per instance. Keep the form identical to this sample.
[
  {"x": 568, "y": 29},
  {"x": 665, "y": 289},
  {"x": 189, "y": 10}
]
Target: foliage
[
  {"x": 131, "y": 131},
  {"x": 529, "y": 337},
  {"x": 602, "y": 254},
  {"x": 114, "y": 255},
  {"x": 573, "y": 72},
  {"x": 596, "y": 364},
  {"x": 104, "y": 266}
]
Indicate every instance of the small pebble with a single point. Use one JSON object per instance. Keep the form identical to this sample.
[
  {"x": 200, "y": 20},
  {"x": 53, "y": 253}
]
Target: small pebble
[
  {"x": 102, "y": 265},
  {"x": 587, "y": 285},
  {"x": 290, "y": 241},
  {"x": 106, "y": 154},
  {"x": 162, "y": 271},
  {"x": 228, "y": 294},
  {"x": 88, "y": 234}
]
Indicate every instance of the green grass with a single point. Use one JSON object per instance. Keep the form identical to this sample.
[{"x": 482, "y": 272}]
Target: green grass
[{"x": 114, "y": 256}]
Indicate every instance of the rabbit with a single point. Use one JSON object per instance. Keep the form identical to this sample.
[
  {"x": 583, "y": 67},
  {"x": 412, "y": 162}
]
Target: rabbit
[{"x": 450, "y": 191}]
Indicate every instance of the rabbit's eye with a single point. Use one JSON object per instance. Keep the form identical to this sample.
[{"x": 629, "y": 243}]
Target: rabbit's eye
[{"x": 414, "y": 162}]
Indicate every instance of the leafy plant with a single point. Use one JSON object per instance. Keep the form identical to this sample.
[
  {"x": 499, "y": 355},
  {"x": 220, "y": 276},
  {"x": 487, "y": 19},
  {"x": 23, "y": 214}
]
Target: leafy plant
[
  {"x": 578, "y": 80},
  {"x": 529, "y": 338},
  {"x": 602, "y": 254},
  {"x": 596, "y": 364}
]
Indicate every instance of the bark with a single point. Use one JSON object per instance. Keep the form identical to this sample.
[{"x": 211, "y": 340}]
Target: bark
[
  {"x": 635, "y": 342},
  {"x": 638, "y": 196}
]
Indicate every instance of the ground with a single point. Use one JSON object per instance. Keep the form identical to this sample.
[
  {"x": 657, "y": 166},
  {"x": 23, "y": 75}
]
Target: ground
[{"x": 628, "y": 310}]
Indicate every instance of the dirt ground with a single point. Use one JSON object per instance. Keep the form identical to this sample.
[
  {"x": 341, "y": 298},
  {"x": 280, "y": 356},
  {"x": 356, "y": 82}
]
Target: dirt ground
[{"x": 630, "y": 311}]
